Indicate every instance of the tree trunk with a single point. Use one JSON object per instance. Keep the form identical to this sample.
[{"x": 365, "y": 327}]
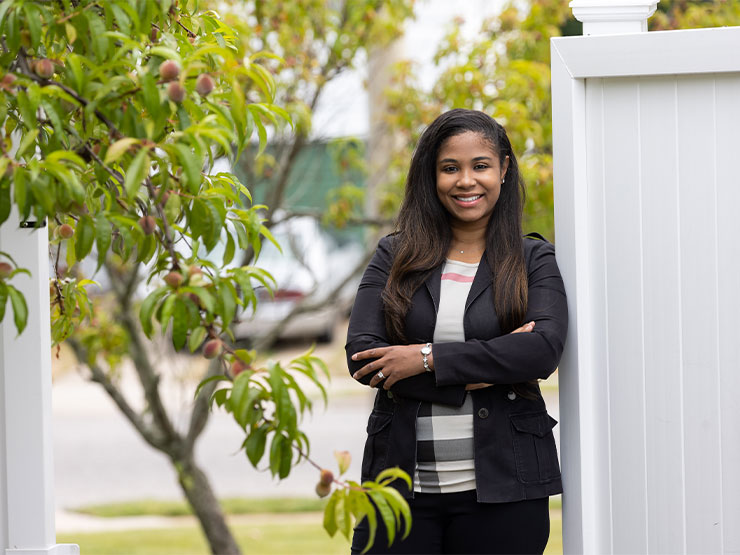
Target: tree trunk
[{"x": 197, "y": 489}]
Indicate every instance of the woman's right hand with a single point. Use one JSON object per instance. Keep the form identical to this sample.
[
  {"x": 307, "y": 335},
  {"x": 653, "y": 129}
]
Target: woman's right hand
[
  {"x": 529, "y": 326},
  {"x": 526, "y": 328}
]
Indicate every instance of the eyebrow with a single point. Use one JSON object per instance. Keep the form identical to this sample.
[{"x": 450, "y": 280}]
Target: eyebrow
[{"x": 476, "y": 159}]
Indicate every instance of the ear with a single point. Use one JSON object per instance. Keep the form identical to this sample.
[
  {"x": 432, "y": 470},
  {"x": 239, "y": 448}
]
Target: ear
[{"x": 504, "y": 167}]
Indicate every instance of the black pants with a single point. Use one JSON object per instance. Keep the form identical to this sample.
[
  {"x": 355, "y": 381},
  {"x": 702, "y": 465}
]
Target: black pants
[{"x": 457, "y": 523}]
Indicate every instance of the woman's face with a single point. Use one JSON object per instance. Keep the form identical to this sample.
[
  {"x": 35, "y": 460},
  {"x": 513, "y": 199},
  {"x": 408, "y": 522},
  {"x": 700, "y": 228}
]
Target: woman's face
[{"x": 469, "y": 178}]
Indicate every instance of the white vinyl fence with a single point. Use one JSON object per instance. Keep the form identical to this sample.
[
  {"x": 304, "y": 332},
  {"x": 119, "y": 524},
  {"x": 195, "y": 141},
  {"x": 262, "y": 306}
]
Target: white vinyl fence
[{"x": 647, "y": 201}]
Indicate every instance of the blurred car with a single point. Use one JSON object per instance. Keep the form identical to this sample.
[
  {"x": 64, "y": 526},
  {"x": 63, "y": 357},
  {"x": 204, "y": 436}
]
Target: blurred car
[{"x": 308, "y": 270}]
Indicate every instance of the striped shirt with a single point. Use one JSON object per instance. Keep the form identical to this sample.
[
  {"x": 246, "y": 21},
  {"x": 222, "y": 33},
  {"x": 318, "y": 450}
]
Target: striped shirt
[{"x": 444, "y": 434}]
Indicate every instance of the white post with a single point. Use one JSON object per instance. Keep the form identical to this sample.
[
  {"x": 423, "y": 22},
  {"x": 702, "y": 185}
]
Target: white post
[
  {"x": 612, "y": 17},
  {"x": 586, "y": 499},
  {"x": 26, "y": 463}
]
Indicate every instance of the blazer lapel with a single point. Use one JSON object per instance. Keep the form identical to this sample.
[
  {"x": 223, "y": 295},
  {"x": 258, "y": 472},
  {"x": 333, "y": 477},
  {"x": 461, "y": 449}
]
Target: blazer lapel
[
  {"x": 433, "y": 284},
  {"x": 482, "y": 281}
]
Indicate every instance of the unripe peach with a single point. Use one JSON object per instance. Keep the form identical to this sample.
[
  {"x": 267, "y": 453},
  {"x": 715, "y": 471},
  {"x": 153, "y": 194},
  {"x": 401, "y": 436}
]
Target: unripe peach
[
  {"x": 5, "y": 269},
  {"x": 7, "y": 81},
  {"x": 148, "y": 224},
  {"x": 176, "y": 92},
  {"x": 174, "y": 279},
  {"x": 204, "y": 84},
  {"x": 44, "y": 68},
  {"x": 165, "y": 195},
  {"x": 322, "y": 490},
  {"x": 169, "y": 70},
  {"x": 326, "y": 478},
  {"x": 65, "y": 231},
  {"x": 194, "y": 270},
  {"x": 213, "y": 348},
  {"x": 238, "y": 366}
]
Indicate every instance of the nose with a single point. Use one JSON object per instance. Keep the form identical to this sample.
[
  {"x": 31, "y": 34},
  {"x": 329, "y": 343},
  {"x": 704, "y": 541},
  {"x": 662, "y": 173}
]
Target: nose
[{"x": 466, "y": 178}]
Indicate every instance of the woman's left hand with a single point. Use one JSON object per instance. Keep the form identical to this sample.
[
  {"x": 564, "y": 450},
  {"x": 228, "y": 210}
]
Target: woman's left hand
[{"x": 395, "y": 363}]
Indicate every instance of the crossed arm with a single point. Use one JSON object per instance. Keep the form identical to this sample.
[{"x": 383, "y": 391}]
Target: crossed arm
[{"x": 531, "y": 351}]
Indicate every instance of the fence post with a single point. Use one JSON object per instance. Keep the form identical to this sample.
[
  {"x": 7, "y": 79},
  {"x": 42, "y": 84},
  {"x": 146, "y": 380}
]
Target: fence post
[
  {"x": 611, "y": 17},
  {"x": 26, "y": 442}
]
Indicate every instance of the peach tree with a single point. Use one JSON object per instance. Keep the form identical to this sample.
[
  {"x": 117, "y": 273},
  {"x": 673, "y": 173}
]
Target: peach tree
[{"x": 115, "y": 116}]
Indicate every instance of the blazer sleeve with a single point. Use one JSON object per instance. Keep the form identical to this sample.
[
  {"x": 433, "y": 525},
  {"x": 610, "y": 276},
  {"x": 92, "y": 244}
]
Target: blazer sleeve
[
  {"x": 367, "y": 331},
  {"x": 518, "y": 357}
]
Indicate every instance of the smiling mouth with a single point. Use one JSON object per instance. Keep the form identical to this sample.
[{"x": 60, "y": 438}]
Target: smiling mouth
[{"x": 467, "y": 200}]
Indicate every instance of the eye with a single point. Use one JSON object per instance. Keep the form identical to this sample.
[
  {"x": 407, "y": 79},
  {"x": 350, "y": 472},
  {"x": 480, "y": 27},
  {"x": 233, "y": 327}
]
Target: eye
[
  {"x": 481, "y": 166},
  {"x": 449, "y": 169}
]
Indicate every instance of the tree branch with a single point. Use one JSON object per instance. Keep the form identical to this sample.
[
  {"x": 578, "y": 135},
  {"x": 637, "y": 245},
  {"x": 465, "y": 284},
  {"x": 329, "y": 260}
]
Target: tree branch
[{"x": 22, "y": 59}]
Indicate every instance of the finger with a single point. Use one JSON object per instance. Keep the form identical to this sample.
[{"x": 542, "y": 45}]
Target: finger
[
  {"x": 365, "y": 370},
  {"x": 377, "y": 379},
  {"x": 370, "y": 353},
  {"x": 529, "y": 326}
]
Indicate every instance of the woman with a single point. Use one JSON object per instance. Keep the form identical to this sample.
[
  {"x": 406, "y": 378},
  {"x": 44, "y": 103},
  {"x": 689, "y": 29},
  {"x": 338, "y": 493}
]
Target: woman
[{"x": 455, "y": 319}]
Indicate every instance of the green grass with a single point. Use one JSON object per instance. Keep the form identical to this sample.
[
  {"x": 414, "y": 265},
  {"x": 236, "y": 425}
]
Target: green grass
[
  {"x": 231, "y": 506},
  {"x": 283, "y": 535}
]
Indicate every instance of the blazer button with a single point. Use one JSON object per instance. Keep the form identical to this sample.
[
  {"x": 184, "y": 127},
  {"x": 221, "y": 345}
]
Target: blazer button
[
  {"x": 483, "y": 413},
  {"x": 389, "y": 394},
  {"x": 511, "y": 395}
]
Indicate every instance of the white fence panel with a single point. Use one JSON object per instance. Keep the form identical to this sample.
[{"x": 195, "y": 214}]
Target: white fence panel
[{"x": 647, "y": 197}]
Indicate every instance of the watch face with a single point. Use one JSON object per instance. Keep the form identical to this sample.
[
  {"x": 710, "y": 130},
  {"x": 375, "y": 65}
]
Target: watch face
[{"x": 425, "y": 350}]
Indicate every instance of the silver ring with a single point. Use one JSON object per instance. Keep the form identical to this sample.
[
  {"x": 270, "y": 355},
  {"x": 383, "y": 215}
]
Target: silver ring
[{"x": 380, "y": 374}]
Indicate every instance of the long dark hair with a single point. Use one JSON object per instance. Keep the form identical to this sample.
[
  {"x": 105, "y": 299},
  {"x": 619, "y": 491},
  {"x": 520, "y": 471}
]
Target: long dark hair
[{"x": 423, "y": 232}]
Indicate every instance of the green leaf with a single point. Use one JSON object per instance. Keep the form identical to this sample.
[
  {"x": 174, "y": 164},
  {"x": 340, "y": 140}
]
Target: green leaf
[
  {"x": 390, "y": 474},
  {"x": 196, "y": 338},
  {"x": 344, "y": 522},
  {"x": 103, "y": 237},
  {"x": 227, "y": 304},
  {"x": 137, "y": 171},
  {"x": 230, "y": 249},
  {"x": 4, "y": 200},
  {"x": 386, "y": 513},
  {"x": 179, "y": 324},
  {"x": 34, "y": 21},
  {"x": 3, "y": 299},
  {"x": 286, "y": 458},
  {"x": 166, "y": 310},
  {"x": 28, "y": 140},
  {"x": 20, "y": 309},
  {"x": 255, "y": 445},
  {"x": 239, "y": 392},
  {"x": 206, "y": 381},
  {"x": 119, "y": 148},
  {"x": 192, "y": 164},
  {"x": 369, "y": 512},
  {"x": 399, "y": 505},
  {"x": 147, "y": 309},
  {"x": 330, "y": 517},
  {"x": 84, "y": 236}
]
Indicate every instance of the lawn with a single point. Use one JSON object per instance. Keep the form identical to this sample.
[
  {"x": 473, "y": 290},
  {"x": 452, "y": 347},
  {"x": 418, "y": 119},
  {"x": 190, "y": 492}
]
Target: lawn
[{"x": 280, "y": 534}]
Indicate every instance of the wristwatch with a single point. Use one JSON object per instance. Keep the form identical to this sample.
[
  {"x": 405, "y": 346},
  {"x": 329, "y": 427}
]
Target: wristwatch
[{"x": 426, "y": 350}]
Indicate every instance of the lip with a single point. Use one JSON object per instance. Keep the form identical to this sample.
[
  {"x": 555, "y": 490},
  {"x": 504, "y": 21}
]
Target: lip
[{"x": 460, "y": 200}]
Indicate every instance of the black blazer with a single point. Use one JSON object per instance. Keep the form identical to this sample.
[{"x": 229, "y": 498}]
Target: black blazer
[{"x": 515, "y": 454}]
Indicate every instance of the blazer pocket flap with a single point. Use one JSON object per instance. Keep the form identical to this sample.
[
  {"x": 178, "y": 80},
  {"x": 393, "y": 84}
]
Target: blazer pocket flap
[
  {"x": 539, "y": 423},
  {"x": 378, "y": 421}
]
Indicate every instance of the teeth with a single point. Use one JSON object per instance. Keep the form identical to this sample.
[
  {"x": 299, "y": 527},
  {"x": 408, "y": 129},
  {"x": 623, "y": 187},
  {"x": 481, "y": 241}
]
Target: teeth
[{"x": 469, "y": 199}]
